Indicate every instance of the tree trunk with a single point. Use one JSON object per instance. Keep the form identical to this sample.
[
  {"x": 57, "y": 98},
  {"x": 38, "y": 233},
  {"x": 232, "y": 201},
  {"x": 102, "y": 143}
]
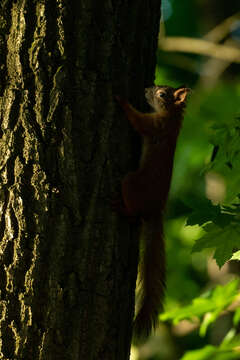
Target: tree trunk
[{"x": 67, "y": 263}]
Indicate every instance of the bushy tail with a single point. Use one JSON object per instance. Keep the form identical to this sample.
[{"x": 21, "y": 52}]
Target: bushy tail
[{"x": 151, "y": 279}]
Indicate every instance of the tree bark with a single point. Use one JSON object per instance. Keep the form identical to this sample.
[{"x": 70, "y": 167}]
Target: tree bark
[{"x": 67, "y": 263}]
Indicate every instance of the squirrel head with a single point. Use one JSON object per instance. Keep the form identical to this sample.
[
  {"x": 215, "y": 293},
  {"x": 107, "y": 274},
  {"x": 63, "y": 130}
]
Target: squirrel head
[{"x": 166, "y": 98}]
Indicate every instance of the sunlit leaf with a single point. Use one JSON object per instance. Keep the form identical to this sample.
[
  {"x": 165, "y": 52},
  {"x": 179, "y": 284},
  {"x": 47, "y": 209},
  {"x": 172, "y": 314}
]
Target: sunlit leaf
[
  {"x": 229, "y": 338},
  {"x": 236, "y": 318},
  {"x": 236, "y": 255},
  {"x": 210, "y": 352},
  {"x": 208, "y": 319},
  {"x": 206, "y": 353},
  {"x": 208, "y": 307}
]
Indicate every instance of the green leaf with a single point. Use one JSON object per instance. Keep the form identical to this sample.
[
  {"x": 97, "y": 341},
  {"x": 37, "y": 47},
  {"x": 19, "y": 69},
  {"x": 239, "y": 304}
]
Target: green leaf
[
  {"x": 208, "y": 319},
  {"x": 225, "y": 136},
  {"x": 203, "y": 211},
  {"x": 227, "y": 355},
  {"x": 229, "y": 338},
  {"x": 224, "y": 240},
  {"x": 224, "y": 252},
  {"x": 229, "y": 348},
  {"x": 222, "y": 297},
  {"x": 223, "y": 219},
  {"x": 210, "y": 352},
  {"x": 205, "y": 353},
  {"x": 209, "y": 306},
  {"x": 236, "y": 255},
  {"x": 236, "y": 318},
  {"x": 199, "y": 307}
]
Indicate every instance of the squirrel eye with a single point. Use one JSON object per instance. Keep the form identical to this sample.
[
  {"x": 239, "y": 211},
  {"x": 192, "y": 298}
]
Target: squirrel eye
[{"x": 162, "y": 94}]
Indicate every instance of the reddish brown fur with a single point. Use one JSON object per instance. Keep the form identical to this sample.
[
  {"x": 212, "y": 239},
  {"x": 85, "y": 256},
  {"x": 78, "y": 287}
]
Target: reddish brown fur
[{"x": 145, "y": 193}]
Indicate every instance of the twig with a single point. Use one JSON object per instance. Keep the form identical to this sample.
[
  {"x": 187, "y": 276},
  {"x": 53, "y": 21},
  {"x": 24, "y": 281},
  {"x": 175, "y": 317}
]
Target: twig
[{"x": 201, "y": 47}]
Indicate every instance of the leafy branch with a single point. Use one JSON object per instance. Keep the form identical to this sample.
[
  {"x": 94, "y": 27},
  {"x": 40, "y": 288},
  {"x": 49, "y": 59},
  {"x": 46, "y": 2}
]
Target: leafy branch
[
  {"x": 204, "y": 311},
  {"x": 221, "y": 222}
]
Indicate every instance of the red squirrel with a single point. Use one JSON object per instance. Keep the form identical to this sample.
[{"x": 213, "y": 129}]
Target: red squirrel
[{"x": 145, "y": 192}]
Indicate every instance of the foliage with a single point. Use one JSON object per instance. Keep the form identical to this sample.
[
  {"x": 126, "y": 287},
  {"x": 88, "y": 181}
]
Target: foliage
[
  {"x": 221, "y": 226},
  {"x": 209, "y": 224},
  {"x": 204, "y": 311},
  {"x": 196, "y": 223},
  {"x": 222, "y": 230},
  {"x": 226, "y": 351},
  {"x": 207, "y": 307},
  {"x": 197, "y": 220}
]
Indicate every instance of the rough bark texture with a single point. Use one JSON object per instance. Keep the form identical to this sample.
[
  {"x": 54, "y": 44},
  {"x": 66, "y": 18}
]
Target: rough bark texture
[{"x": 67, "y": 263}]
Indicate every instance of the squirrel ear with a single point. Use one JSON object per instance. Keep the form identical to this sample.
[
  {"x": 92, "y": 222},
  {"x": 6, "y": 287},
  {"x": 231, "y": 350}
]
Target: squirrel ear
[{"x": 180, "y": 95}]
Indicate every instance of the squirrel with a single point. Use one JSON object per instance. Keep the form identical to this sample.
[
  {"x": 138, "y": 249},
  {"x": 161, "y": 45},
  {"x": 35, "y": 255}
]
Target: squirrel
[{"x": 145, "y": 192}]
